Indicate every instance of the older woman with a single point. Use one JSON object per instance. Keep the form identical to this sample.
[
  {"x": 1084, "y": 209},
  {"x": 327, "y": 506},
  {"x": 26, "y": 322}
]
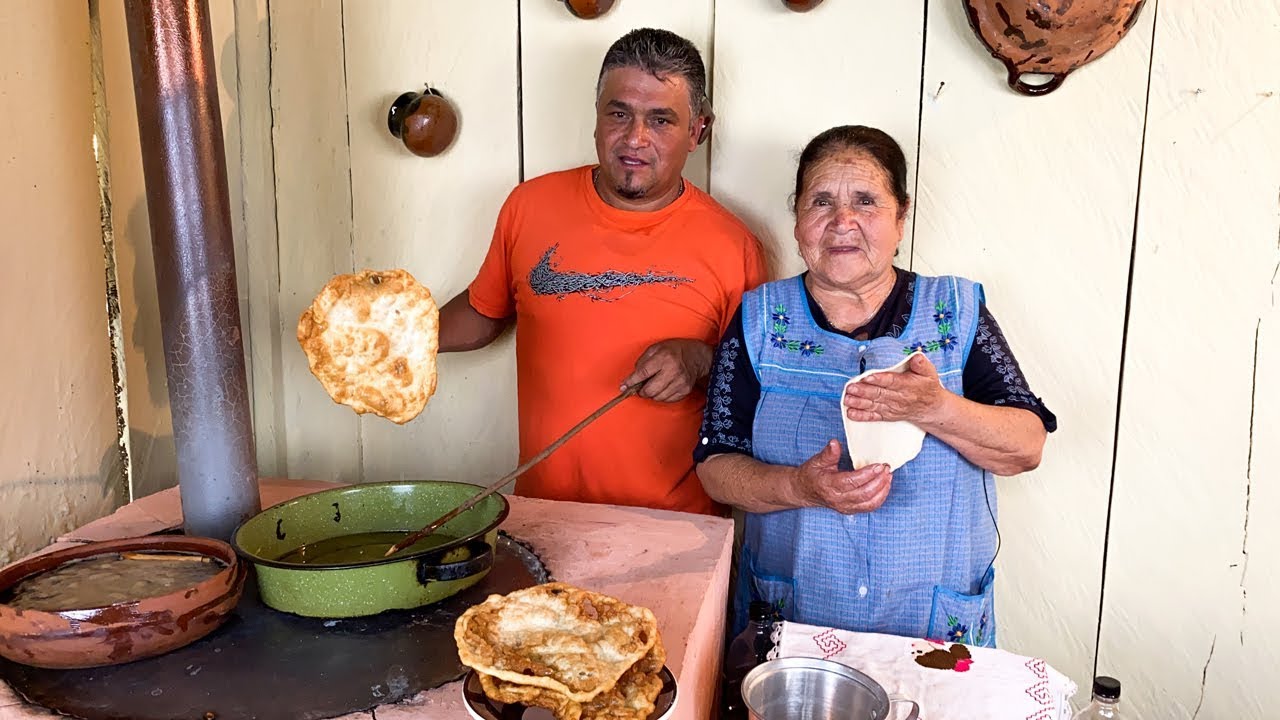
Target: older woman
[{"x": 909, "y": 552}]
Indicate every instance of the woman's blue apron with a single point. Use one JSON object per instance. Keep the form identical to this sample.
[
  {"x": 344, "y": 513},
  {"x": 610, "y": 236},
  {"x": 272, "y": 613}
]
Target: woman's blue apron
[{"x": 920, "y": 565}]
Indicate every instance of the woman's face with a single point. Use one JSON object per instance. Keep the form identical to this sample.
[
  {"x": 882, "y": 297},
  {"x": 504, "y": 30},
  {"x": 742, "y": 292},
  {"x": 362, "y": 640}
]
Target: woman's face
[{"x": 848, "y": 222}]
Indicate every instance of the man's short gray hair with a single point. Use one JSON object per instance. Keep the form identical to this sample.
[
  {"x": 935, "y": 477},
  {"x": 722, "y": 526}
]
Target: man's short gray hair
[{"x": 662, "y": 54}]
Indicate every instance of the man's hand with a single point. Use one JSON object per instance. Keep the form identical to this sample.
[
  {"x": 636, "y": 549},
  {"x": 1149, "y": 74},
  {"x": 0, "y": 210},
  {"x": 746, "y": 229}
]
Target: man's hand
[
  {"x": 669, "y": 369},
  {"x": 824, "y": 484}
]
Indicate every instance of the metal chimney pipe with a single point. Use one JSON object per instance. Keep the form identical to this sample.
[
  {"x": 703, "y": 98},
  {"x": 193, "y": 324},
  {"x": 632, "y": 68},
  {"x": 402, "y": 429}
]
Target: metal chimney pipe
[{"x": 184, "y": 165}]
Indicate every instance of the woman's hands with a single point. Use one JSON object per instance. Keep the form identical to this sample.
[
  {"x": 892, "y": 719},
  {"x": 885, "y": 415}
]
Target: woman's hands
[
  {"x": 754, "y": 486},
  {"x": 822, "y": 483},
  {"x": 1002, "y": 440},
  {"x": 914, "y": 395}
]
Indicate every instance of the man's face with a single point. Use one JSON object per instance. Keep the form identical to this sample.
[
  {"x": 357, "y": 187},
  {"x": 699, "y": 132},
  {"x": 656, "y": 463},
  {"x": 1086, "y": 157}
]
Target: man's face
[{"x": 644, "y": 134}]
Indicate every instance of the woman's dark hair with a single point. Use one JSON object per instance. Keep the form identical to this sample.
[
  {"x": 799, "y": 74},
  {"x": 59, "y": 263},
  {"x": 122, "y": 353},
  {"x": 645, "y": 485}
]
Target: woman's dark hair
[{"x": 876, "y": 143}]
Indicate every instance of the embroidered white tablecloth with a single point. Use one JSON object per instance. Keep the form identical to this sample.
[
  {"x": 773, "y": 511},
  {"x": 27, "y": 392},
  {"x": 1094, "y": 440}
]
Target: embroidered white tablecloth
[{"x": 950, "y": 681}]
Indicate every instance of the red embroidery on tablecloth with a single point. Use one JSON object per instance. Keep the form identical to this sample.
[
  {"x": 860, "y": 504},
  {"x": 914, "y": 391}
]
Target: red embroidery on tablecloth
[
  {"x": 1040, "y": 691},
  {"x": 828, "y": 643}
]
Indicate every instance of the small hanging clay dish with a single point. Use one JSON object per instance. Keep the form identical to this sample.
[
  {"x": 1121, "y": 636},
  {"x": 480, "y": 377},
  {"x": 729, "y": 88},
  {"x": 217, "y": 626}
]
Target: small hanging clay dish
[
  {"x": 425, "y": 122},
  {"x": 588, "y": 9},
  {"x": 1049, "y": 37},
  {"x": 801, "y": 5}
]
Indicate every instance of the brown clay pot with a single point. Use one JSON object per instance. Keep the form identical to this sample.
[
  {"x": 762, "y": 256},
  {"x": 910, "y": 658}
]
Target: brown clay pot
[
  {"x": 425, "y": 122},
  {"x": 801, "y": 5},
  {"x": 1050, "y": 37},
  {"x": 588, "y": 9},
  {"x": 125, "y": 631}
]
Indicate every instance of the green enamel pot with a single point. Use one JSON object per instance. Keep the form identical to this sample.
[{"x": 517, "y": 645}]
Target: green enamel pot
[{"x": 359, "y": 581}]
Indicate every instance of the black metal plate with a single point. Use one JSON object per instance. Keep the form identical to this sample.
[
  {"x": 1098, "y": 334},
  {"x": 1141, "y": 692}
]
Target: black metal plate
[{"x": 266, "y": 664}]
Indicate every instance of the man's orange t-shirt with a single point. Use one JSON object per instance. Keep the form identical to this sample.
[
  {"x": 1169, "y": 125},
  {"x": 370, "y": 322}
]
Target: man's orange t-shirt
[{"x": 592, "y": 287}]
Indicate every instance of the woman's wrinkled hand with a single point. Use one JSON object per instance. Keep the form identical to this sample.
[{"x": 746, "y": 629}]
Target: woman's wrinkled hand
[
  {"x": 824, "y": 484},
  {"x": 912, "y": 395}
]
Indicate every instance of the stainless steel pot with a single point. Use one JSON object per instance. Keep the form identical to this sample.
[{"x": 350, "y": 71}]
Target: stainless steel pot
[{"x": 798, "y": 688}]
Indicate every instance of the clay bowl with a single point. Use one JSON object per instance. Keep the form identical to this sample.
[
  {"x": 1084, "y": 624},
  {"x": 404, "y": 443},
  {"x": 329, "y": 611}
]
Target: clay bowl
[
  {"x": 1034, "y": 37},
  {"x": 124, "y": 631}
]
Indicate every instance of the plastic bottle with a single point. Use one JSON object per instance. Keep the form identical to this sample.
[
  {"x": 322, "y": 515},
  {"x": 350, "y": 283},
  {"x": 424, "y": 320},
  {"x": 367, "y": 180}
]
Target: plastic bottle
[
  {"x": 750, "y": 648},
  {"x": 1106, "y": 701}
]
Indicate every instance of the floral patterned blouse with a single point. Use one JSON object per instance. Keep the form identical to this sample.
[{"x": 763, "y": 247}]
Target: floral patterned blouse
[{"x": 991, "y": 373}]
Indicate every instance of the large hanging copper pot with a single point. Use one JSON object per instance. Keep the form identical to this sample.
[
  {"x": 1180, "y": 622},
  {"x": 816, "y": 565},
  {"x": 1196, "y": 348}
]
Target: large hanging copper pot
[{"x": 1049, "y": 37}]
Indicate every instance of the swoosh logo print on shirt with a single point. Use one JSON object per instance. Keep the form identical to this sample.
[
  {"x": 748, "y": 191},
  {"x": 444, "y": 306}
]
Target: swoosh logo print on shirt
[{"x": 546, "y": 278}]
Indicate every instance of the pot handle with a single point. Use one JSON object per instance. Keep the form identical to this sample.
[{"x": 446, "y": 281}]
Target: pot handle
[
  {"x": 1020, "y": 85},
  {"x": 431, "y": 569},
  {"x": 915, "y": 709}
]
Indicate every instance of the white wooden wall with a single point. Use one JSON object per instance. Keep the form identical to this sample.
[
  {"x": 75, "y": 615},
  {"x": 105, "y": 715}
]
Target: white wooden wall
[
  {"x": 1034, "y": 198},
  {"x": 1192, "y": 593},
  {"x": 769, "y": 104},
  {"x": 1140, "y": 197}
]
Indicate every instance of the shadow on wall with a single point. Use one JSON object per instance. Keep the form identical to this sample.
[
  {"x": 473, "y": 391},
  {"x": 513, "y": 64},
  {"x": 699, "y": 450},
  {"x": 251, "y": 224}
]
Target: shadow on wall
[
  {"x": 228, "y": 75},
  {"x": 147, "y": 336},
  {"x": 152, "y": 451},
  {"x": 146, "y": 339},
  {"x": 152, "y": 446},
  {"x": 155, "y": 462},
  {"x": 36, "y": 510}
]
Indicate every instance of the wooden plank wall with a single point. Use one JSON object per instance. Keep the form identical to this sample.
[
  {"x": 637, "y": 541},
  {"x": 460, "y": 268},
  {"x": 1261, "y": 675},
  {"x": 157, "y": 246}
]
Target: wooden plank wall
[
  {"x": 1191, "y": 593},
  {"x": 313, "y": 222},
  {"x": 1042, "y": 199},
  {"x": 254, "y": 220},
  {"x": 1034, "y": 197},
  {"x": 770, "y": 104},
  {"x": 435, "y": 216}
]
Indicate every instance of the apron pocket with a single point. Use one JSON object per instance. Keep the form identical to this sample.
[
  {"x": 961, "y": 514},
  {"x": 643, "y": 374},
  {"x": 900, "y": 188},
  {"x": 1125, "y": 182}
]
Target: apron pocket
[
  {"x": 777, "y": 590},
  {"x": 962, "y": 618}
]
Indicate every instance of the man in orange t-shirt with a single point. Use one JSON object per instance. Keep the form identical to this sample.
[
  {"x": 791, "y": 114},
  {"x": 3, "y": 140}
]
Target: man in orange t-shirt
[{"x": 616, "y": 274}]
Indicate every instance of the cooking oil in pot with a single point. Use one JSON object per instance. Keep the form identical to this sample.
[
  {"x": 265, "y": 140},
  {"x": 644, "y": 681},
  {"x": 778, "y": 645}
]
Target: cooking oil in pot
[{"x": 357, "y": 548}]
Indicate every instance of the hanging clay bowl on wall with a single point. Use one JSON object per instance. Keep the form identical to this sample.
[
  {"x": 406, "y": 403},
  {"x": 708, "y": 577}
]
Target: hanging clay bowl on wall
[
  {"x": 801, "y": 5},
  {"x": 588, "y": 9},
  {"x": 1049, "y": 37},
  {"x": 425, "y": 122}
]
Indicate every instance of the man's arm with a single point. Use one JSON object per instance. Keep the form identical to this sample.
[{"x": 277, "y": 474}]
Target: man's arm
[{"x": 462, "y": 327}]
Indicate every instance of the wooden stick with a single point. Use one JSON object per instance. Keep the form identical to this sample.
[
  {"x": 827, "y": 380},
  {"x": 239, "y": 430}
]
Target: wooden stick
[
  {"x": 436, "y": 524},
  {"x": 166, "y": 556}
]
